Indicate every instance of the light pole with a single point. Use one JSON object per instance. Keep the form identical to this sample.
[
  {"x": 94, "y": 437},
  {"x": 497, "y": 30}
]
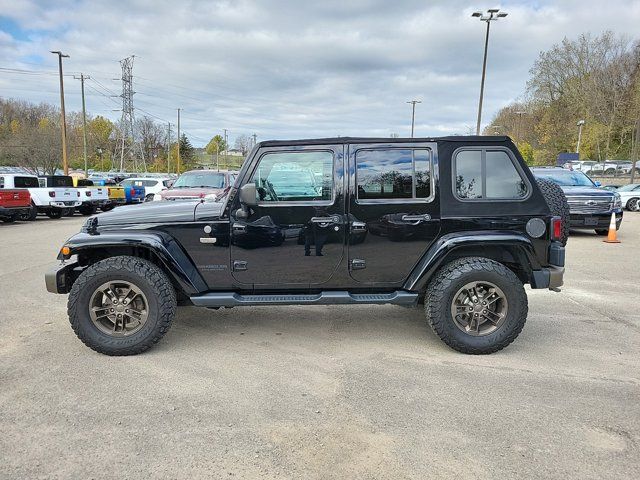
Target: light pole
[
  {"x": 63, "y": 121},
  {"x": 491, "y": 15},
  {"x": 579, "y": 125},
  {"x": 519, "y": 125},
  {"x": 413, "y": 113}
]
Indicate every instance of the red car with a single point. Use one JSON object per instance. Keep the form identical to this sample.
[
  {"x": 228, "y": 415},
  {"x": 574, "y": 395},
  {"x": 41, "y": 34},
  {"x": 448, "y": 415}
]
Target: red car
[
  {"x": 200, "y": 184},
  {"x": 14, "y": 203}
]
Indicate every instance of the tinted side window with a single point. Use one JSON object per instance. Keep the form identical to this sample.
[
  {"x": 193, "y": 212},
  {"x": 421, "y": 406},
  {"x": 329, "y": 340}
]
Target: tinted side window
[
  {"x": 393, "y": 173},
  {"x": 488, "y": 174},
  {"x": 292, "y": 176}
]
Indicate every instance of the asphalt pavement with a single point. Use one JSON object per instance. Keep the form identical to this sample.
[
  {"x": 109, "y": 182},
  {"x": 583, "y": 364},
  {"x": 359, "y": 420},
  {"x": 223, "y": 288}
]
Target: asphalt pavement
[{"x": 324, "y": 392}]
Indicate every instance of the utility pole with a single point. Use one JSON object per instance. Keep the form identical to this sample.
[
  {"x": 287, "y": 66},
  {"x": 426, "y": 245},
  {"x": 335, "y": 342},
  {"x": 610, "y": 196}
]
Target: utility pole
[
  {"x": 178, "y": 141},
  {"x": 225, "y": 148},
  {"x": 168, "y": 146},
  {"x": 413, "y": 113},
  {"x": 63, "y": 120},
  {"x": 579, "y": 125},
  {"x": 491, "y": 15},
  {"x": 635, "y": 152},
  {"x": 82, "y": 78},
  {"x": 519, "y": 125},
  {"x": 255, "y": 139}
]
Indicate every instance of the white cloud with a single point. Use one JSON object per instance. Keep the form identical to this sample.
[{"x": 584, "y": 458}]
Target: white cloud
[{"x": 290, "y": 69}]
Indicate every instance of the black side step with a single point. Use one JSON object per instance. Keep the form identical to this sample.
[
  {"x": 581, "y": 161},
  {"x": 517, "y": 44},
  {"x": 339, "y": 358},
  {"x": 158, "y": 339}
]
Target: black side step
[{"x": 230, "y": 299}]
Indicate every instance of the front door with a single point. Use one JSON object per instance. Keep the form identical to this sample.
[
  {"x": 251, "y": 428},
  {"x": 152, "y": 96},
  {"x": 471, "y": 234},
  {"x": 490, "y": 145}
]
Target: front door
[
  {"x": 393, "y": 209},
  {"x": 295, "y": 234}
]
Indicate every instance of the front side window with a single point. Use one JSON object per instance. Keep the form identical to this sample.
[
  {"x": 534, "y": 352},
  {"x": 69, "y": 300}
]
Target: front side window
[
  {"x": 393, "y": 173},
  {"x": 487, "y": 174},
  {"x": 294, "y": 177}
]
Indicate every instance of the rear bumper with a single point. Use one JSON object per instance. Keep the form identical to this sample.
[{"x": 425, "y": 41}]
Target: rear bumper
[
  {"x": 65, "y": 204},
  {"x": 9, "y": 212},
  {"x": 59, "y": 279},
  {"x": 551, "y": 276}
]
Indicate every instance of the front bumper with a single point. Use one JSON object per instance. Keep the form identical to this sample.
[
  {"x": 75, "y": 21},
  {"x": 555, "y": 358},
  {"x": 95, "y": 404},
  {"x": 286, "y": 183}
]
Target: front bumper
[
  {"x": 60, "y": 277},
  {"x": 594, "y": 220}
]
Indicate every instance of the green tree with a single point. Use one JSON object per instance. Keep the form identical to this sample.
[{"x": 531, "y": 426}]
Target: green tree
[
  {"x": 187, "y": 152},
  {"x": 216, "y": 145}
]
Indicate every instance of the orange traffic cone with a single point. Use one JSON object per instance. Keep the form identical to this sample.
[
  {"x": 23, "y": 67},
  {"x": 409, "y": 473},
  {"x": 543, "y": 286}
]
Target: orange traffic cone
[{"x": 612, "y": 237}]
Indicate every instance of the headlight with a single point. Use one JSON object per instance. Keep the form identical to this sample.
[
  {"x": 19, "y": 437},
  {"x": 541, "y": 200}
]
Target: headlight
[
  {"x": 617, "y": 201},
  {"x": 211, "y": 197}
]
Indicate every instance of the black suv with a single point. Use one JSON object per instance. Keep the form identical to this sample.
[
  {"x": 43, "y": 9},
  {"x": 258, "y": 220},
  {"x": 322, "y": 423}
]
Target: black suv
[
  {"x": 590, "y": 206},
  {"x": 457, "y": 224}
]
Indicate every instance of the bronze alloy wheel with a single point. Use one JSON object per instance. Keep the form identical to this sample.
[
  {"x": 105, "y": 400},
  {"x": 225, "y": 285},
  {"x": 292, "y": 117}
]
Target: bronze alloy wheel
[
  {"x": 118, "y": 308},
  {"x": 479, "y": 308}
]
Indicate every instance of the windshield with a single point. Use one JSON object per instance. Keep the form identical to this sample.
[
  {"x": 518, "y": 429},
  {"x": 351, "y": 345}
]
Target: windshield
[
  {"x": 629, "y": 188},
  {"x": 566, "y": 179},
  {"x": 200, "y": 180}
]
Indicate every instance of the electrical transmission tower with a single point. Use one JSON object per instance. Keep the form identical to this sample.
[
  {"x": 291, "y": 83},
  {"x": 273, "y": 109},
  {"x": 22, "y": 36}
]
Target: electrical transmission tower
[{"x": 131, "y": 153}]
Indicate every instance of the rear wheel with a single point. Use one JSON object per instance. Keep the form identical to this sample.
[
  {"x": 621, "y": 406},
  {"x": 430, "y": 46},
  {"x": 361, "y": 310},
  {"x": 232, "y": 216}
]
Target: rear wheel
[
  {"x": 87, "y": 209},
  {"x": 121, "y": 305},
  {"x": 31, "y": 215},
  {"x": 149, "y": 197},
  {"x": 55, "y": 213},
  {"x": 558, "y": 205},
  {"x": 106, "y": 208},
  {"x": 476, "y": 305}
]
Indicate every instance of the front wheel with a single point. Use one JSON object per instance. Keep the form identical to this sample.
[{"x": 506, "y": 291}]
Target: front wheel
[
  {"x": 633, "y": 205},
  {"x": 476, "y": 305},
  {"x": 121, "y": 305}
]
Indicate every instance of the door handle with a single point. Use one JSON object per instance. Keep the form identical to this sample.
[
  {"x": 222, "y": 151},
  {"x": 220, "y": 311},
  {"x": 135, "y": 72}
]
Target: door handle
[
  {"x": 334, "y": 219},
  {"x": 416, "y": 218}
]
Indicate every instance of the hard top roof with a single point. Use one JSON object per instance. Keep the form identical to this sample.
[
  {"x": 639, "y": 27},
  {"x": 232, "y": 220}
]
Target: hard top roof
[{"x": 343, "y": 140}]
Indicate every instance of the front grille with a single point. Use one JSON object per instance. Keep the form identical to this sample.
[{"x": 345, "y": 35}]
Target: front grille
[{"x": 590, "y": 204}]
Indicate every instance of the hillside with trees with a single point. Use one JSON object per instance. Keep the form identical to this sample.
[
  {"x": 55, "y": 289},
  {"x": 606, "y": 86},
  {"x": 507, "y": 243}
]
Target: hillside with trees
[{"x": 591, "y": 78}]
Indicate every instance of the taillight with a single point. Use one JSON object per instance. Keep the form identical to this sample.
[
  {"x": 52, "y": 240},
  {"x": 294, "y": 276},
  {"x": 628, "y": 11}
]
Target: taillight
[
  {"x": 78, "y": 193},
  {"x": 88, "y": 193},
  {"x": 52, "y": 194},
  {"x": 108, "y": 191},
  {"x": 133, "y": 191},
  {"x": 556, "y": 228}
]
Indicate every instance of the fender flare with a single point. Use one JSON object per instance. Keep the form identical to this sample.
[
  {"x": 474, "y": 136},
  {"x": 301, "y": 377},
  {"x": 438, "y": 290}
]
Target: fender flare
[
  {"x": 517, "y": 245},
  {"x": 177, "y": 264}
]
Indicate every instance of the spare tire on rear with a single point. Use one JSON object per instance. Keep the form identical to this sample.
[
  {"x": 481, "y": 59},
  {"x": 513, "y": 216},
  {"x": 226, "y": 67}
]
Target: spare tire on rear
[{"x": 558, "y": 204}]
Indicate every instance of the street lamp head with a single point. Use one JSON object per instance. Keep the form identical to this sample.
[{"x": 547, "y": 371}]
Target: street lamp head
[
  {"x": 502, "y": 14},
  {"x": 580, "y": 123},
  {"x": 476, "y": 14},
  {"x": 493, "y": 10}
]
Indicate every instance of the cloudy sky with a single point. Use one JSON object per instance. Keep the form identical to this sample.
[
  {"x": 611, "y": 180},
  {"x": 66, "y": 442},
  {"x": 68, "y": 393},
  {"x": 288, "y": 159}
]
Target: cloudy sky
[{"x": 291, "y": 68}]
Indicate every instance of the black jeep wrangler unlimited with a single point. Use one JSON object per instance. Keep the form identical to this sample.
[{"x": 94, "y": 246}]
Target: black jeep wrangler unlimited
[{"x": 457, "y": 224}]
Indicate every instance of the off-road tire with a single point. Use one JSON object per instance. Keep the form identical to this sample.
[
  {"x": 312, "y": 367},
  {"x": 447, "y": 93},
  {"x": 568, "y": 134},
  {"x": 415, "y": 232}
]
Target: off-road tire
[
  {"x": 145, "y": 275},
  {"x": 558, "y": 204},
  {"x": 32, "y": 215},
  {"x": 449, "y": 279},
  {"x": 87, "y": 210},
  {"x": 55, "y": 213}
]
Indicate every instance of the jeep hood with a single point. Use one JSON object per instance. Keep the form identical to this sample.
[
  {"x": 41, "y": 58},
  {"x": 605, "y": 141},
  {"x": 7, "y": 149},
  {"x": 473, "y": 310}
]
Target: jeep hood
[
  {"x": 586, "y": 192},
  {"x": 149, "y": 212}
]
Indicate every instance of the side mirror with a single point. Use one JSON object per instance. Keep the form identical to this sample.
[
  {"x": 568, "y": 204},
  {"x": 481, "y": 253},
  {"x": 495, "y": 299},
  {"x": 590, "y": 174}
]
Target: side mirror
[
  {"x": 248, "y": 195},
  {"x": 598, "y": 184}
]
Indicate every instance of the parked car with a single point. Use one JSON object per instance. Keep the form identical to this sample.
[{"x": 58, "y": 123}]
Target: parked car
[
  {"x": 92, "y": 196},
  {"x": 15, "y": 203},
  {"x": 490, "y": 231},
  {"x": 590, "y": 207},
  {"x": 152, "y": 186},
  {"x": 50, "y": 198},
  {"x": 134, "y": 191},
  {"x": 199, "y": 184},
  {"x": 630, "y": 196},
  {"x": 581, "y": 165},
  {"x": 613, "y": 167}
]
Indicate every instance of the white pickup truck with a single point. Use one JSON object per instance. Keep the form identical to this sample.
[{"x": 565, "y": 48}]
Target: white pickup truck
[
  {"x": 51, "y": 197},
  {"x": 92, "y": 196}
]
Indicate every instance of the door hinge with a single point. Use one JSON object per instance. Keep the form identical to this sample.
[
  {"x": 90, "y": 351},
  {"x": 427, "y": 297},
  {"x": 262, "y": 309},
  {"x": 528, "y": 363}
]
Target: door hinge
[
  {"x": 358, "y": 264},
  {"x": 239, "y": 265}
]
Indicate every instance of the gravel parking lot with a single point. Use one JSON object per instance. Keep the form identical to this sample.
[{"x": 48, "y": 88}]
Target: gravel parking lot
[{"x": 324, "y": 392}]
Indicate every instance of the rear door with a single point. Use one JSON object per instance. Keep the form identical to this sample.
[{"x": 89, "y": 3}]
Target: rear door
[{"x": 393, "y": 209}]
